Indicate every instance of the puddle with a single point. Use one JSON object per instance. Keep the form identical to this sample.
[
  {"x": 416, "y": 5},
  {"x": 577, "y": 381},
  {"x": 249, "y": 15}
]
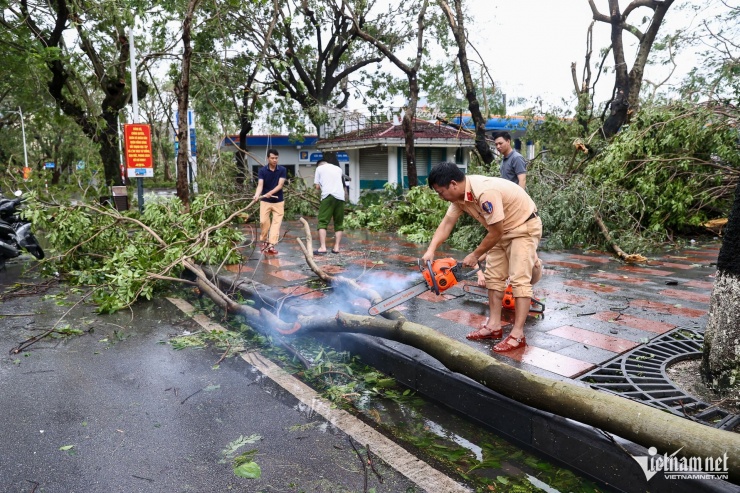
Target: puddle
[{"x": 463, "y": 448}]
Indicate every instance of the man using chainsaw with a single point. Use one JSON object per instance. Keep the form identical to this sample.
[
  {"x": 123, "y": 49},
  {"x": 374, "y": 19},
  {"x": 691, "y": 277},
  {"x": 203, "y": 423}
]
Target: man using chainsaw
[{"x": 513, "y": 229}]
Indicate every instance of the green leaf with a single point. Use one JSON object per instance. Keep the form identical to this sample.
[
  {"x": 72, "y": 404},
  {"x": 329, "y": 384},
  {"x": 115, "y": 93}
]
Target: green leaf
[
  {"x": 250, "y": 470},
  {"x": 66, "y": 447}
]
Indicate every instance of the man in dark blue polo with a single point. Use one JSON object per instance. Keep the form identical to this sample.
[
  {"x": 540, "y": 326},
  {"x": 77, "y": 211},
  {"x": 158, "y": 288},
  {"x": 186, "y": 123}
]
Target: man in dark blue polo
[{"x": 272, "y": 207}]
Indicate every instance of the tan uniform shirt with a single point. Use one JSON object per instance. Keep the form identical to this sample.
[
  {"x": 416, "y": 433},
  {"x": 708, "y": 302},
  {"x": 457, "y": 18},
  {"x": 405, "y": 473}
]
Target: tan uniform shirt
[{"x": 490, "y": 200}]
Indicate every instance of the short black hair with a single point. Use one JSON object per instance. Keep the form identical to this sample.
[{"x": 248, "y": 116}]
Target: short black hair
[
  {"x": 443, "y": 173},
  {"x": 272, "y": 151},
  {"x": 503, "y": 133}
]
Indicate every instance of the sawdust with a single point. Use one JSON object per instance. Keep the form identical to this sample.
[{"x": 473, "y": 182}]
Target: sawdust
[{"x": 686, "y": 375}]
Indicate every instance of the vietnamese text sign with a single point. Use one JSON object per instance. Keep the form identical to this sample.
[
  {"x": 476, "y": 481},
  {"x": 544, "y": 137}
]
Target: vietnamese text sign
[{"x": 137, "y": 139}]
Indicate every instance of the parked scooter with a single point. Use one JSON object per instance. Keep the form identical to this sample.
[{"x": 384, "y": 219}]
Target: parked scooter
[{"x": 15, "y": 232}]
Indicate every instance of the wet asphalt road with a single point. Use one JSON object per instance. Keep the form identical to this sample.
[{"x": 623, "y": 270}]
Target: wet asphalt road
[{"x": 143, "y": 417}]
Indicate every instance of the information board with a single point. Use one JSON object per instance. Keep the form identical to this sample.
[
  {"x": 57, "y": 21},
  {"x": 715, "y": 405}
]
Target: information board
[{"x": 137, "y": 139}]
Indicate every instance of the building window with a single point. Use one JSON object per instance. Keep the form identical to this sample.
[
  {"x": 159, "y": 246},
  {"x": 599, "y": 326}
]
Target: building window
[{"x": 459, "y": 156}]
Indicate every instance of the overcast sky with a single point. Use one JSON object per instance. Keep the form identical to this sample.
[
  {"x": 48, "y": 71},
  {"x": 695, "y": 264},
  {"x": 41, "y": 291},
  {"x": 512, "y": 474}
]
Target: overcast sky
[{"x": 529, "y": 45}]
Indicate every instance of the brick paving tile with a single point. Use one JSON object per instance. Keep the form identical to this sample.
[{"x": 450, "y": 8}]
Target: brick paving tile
[
  {"x": 659, "y": 307},
  {"x": 672, "y": 265},
  {"x": 435, "y": 298},
  {"x": 643, "y": 270},
  {"x": 278, "y": 262},
  {"x": 403, "y": 258},
  {"x": 333, "y": 269},
  {"x": 464, "y": 317},
  {"x": 590, "y": 258},
  {"x": 368, "y": 263},
  {"x": 238, "y": 268},
  {"x": 700, "y": 284},
  {"x": 686, "y": 295},
  {"x": 288, "y": 275},
  {"x": 365, "y": 304},
  {"x": 568, "y": 265},
  {"x": 619, "y": 277},
  {"x": 698, "y": 260},
  {"x": 591, "y": 286},
  {"x": 547, "y": 360},
  {"x": 571, "y": 299},
  {"x": 634, "y": 322},
  {"x": 703, "y": 253},
  {"x": 613, "y": 344},
  {"x": 303, "y": 292}
]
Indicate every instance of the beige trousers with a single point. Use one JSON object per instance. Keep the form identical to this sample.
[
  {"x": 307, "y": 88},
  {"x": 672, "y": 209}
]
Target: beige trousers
[{"x": 271, "y": 217}]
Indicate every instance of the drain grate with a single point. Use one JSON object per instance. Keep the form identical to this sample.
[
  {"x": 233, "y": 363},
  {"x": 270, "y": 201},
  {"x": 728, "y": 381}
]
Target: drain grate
[{"x": 641, "y": 375}]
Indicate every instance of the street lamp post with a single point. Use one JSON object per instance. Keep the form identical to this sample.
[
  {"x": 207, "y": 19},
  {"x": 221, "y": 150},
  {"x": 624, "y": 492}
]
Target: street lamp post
[{"x": 23, "y": 131}]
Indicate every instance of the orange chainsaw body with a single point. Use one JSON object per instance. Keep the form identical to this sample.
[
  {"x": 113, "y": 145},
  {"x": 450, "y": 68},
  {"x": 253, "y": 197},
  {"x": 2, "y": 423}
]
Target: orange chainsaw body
[
  {"x": 443, "y": 274},
  {"x": 508, "y": 301}
]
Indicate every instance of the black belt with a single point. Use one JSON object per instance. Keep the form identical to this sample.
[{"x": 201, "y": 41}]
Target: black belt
[{"x": 532, "y": 216}]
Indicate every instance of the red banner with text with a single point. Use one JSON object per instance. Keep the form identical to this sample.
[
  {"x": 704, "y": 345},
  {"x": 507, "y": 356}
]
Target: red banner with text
[{"x": 137, "y": 138}]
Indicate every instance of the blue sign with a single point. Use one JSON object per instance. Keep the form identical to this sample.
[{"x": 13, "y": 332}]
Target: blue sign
[
  {"x": 342, "y": 157},
  {"x": 192, "y": 142},
  {"x": 139, "y": 172},
  {"x": 50, "y": 165}
]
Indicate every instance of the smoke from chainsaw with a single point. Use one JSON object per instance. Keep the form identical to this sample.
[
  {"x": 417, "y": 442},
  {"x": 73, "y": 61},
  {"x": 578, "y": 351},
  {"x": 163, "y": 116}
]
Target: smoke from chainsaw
[{"x": 340, "y": 299}]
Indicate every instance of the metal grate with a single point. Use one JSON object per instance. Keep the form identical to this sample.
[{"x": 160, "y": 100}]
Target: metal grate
[{"x": 641, "y": 375}]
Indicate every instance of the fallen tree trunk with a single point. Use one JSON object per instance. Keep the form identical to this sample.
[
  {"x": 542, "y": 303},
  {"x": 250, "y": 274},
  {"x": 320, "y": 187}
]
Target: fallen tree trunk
[
  {"x": 625, "y": 418},
  {"x": 628, "y": 419},
  {"x": 637, "y": 422}
]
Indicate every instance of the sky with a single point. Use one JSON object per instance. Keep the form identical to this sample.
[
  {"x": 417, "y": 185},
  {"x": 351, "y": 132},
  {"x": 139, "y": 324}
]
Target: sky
[{"x": 529, "y": 45}]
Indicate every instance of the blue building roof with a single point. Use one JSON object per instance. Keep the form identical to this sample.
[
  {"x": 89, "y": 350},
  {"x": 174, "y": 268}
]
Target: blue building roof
[
  {"x": 513, "y": 124},
  {"x": 268, "y": 140}
]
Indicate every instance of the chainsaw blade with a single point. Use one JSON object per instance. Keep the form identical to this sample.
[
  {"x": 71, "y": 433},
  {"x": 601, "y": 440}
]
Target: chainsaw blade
[
  {"x": 472, "y": 289},
  {"x": 399, "y": 298}
]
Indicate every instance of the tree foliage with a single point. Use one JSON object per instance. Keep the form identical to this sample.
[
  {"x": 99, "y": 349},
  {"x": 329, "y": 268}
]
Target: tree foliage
[
  {"x": 123, "y": 257},
  {"x": 680, "y": 161}
]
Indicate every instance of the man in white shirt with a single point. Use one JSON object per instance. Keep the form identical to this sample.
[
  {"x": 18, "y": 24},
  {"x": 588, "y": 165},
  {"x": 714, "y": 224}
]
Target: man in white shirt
[{"x": 328, "y": 180}]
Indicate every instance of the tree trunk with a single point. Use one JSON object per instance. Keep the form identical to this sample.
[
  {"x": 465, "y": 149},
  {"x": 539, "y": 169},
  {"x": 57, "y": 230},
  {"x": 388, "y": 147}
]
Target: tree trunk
[
  {"x": 245, "y": 128},
  {"x": 407, "y": 124},
  {"x": 634, "y": 421},
  {"x": 627, "y": 84},
  {"x": 182, "y": 90},
  {"x": 455, "y": 20},
  {"x": 720, "y": 364}
]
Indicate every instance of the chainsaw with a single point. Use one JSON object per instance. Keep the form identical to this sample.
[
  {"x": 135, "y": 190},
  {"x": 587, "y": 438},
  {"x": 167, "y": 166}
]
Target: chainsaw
[
  {"x": 508, "y": 302},
  {"x": 439, "y": 276}
]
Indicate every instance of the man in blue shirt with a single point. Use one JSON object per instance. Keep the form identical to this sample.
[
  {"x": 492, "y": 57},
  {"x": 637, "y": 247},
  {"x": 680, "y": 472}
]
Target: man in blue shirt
[
  {"x": 272, "y": 207},
  {"x": 513, "y": 166}
]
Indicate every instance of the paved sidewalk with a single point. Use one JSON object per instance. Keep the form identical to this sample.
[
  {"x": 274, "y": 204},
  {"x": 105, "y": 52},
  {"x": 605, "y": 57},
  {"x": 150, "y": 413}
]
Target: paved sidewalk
[{"x": 596, "y": 306}]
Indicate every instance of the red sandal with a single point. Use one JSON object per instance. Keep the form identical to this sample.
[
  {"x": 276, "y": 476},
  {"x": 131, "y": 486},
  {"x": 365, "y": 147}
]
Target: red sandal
[
  {"x": 505, "y": 345},
  {"x": 477, "y": 336}
]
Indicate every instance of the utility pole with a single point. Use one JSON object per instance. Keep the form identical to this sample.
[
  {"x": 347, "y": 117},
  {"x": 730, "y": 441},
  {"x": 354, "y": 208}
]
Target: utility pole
[{"x": 135, "y": 111}]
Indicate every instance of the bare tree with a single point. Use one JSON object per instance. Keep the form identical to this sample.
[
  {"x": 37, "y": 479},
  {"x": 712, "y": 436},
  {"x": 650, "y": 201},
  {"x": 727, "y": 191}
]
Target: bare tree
[
  {"x": 314, "y": 51},
  {"x": 182, "y": 91},
  {"x": 456, "y": 22},
  {"x": 412, "y": 73},
  {"x": 627, "y": 83}
]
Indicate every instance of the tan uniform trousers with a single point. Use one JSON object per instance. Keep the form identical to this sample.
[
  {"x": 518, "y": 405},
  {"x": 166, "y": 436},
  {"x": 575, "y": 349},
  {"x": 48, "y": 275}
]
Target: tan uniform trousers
[
  {"x": 268, "y": 225},
  {"x": 514, "y": 257}
]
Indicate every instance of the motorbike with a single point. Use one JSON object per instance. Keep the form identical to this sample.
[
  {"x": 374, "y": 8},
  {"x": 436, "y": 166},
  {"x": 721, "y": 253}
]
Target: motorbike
[{"x": 15, "y": 232}]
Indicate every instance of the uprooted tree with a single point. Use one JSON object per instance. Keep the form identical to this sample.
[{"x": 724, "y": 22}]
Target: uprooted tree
[{"x": 166, "y": 242}]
